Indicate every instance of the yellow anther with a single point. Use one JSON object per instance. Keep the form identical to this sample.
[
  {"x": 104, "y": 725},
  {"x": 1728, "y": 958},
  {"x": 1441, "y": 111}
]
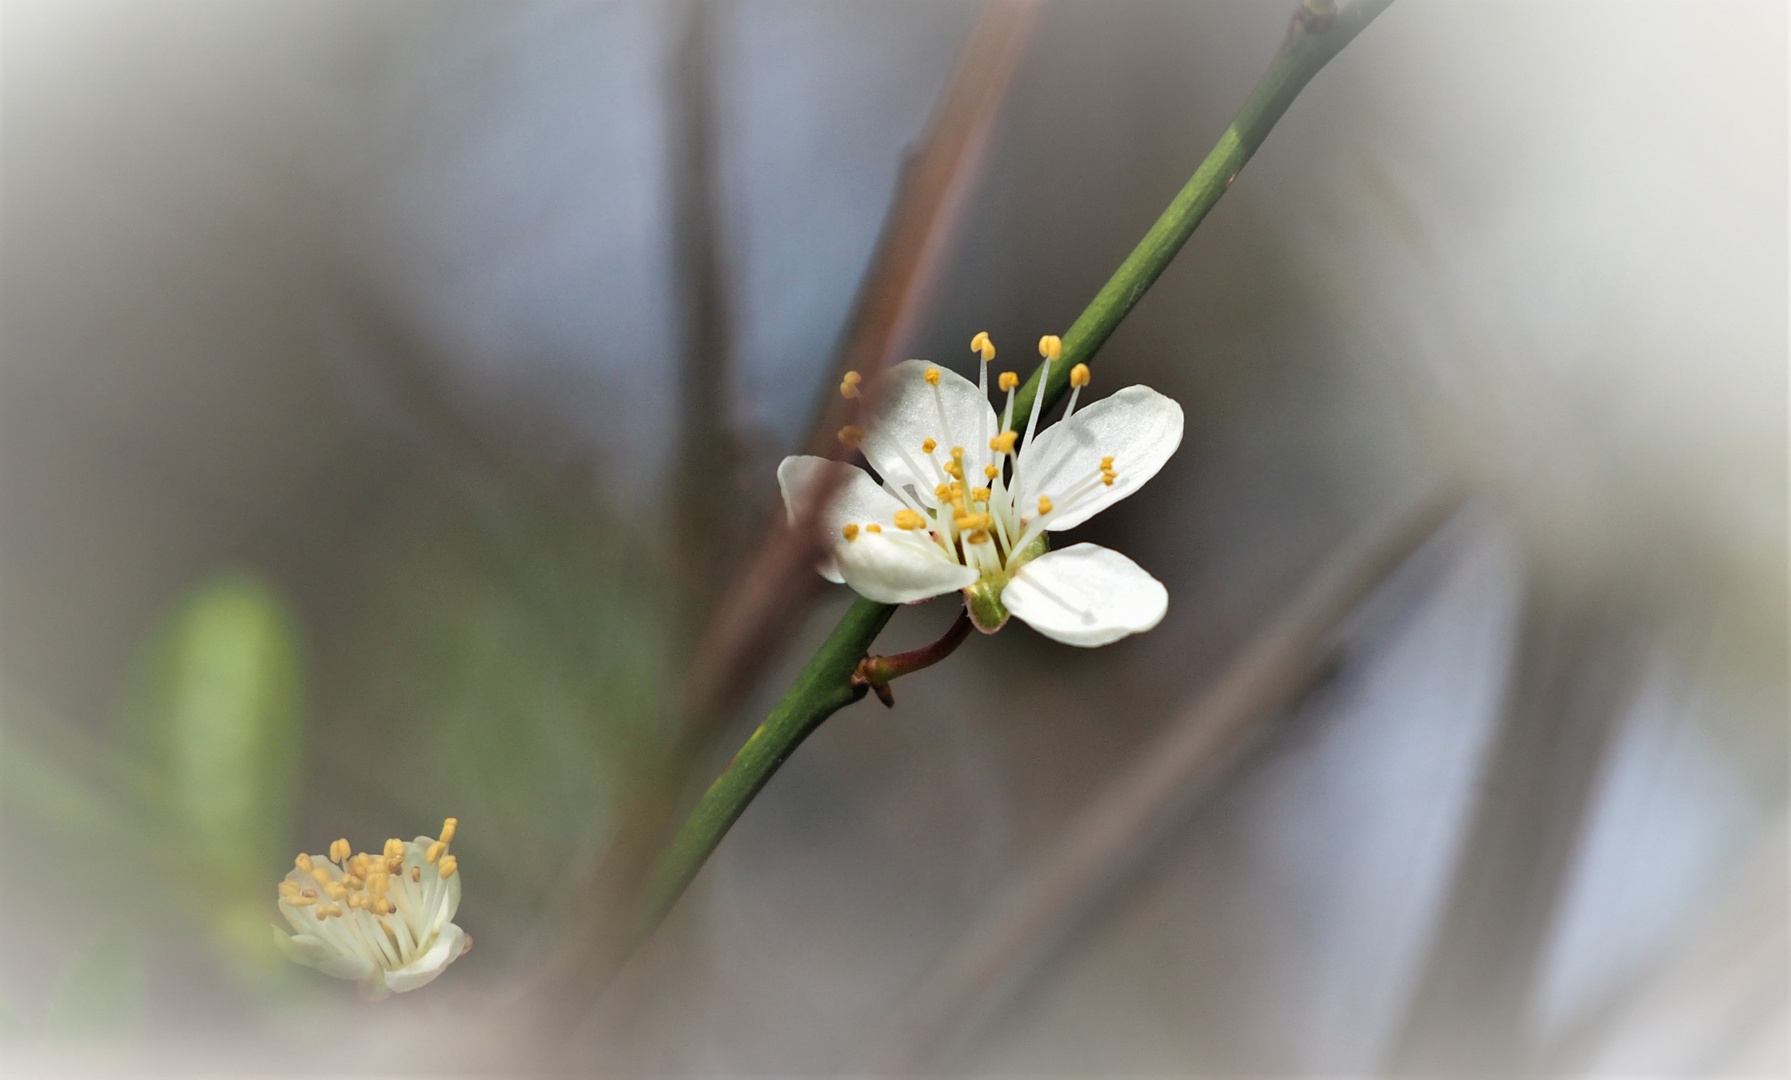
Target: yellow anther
[
  {"x": 1004, "y": 442},
  {"x": 1051, "y": 347},
  {"x": 303, "y": 862},
  {"x": 953, "y": 470},
  {"x": 339, "y": 851},
  {"x": 909, "y": 519},
  {"x": 448, "y": 866},
  {"x": 942, "y": 492},
  {"x": 1044, "y": 504},
  {"x": 980, "y": 536},
  {"x": 991, "y": 471},
  {"x": 416, "y": 873},
  {"x": 982, "y": 346},
  {"x": 394, "y": 846},
  {"x": 965, "y": 522},
  {"x": 957, "y": 453},
  {"x": 449, "y": 825},
  {"x": 336, "y": 889},
  {"x": 873, "y": 527},
  {"x": 1107, "y": 478},
  {"x": 1007, "y": 380},
  {"x": 321, "y": 875},
  {"x": 295, "y": 900},
  {"x": 434, "y": 851},
  {"x": 850, "y": 436},
  {"x": 289, "y": 887},
  {"x": 932, "y": 376},
  {"x": 980, "y": 494},
  {"x": 849, "y": 384},
  {"x": 394, "y": 863},
  {"x": 928, "y": 446},
  {"x": 356, "y": 900},
  {"x": 850, "y": 532},
  {"x": 1079, "y": 375},
  {"x": 1107, "y": 463}
]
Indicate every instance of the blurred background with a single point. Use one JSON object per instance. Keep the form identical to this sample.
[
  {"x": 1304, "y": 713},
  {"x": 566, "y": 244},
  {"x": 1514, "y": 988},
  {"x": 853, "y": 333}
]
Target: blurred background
[{"x": 390, "y": 403}]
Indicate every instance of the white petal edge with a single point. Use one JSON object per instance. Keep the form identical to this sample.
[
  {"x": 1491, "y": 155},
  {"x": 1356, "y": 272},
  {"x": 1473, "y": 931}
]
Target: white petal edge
[
  {"x": 1137, "y": 426},
  {"x": 1085, "y": 595},
  {"x": 908, "y": 415},
  {"x": 856, "y": 499},
  {"x": 449, "y": 944},
  {"x": 900, "y": 568}
]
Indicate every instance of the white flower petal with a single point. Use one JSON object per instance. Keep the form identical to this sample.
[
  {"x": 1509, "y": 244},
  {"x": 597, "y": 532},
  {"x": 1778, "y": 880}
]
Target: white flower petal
[
  {"x": 313, "y": 952},
  {"x": 449, "y": 944},
  {"x": 857, "y": 499},
  {"x": 1086, "y": 595},
  {"x": 909, "y": 414},
  {"x": 1138, "y": 427},
  {"x": 900, "y": 568}
]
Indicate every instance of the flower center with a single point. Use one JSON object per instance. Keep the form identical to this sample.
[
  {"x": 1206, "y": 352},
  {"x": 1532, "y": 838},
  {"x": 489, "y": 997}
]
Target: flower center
[{"x": 982, "y": 511}]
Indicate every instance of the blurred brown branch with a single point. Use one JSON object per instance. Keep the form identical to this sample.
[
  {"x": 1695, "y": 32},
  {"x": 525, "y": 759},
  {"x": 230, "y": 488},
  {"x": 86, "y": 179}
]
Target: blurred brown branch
[{"x": 1030, "y": 916}]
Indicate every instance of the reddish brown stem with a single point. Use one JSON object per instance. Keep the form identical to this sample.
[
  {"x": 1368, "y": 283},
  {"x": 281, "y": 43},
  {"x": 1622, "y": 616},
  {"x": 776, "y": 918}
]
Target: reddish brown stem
[{"x": 876, "y": 671}]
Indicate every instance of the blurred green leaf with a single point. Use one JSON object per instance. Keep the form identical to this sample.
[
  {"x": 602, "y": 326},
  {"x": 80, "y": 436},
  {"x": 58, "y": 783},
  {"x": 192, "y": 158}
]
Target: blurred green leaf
[{"x": 218, "y": 722}]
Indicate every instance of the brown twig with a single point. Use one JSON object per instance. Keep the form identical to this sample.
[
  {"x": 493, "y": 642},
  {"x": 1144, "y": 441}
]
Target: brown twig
[
  {"x": 1020, "y": 926},
  {"x": 877, "y": 671}
]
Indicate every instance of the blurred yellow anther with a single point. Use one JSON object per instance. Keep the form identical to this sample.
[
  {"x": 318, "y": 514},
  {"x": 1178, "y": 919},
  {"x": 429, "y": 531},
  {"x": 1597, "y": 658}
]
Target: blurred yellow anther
[
  {"x": 434, "y": 851},
  {"x": 932, "y": 376},
  {"x": 954, "y": 470},
  {"x": 339, "y": 851},
  {"x": 982, "y": 346},
  {"x": 850, "y": 532},
  {"x": 965, "y": 522},
  {"x": 1107, "y": 478},
  {"x": 1051, "y": 347},
  {"x": 980, "y": 536},
  {"x": 849, "y": 384},
  {"x": 980, "y": 494},
  {"x": 1007, "y": 380},
  {"x": 1107, "y": 463},
  {"x": 394, "y": 846},
  {"x": 448, "y": 866},
  {"x": 873, "y": 527},
  {"x": 928, "y": 446},
  {"x": 909, "y": 519},
  {"x": 303, "y": 862},
  {"x": 1079, "y": 375},
  {"x": 336, "y": 889},
  {"x": 1004, "y": 442},
  {"x": 449, "y": 825},
  {"x": 322, "y": 875},
  {"x": 942, "y": 492},
  {"x": 991, "y": 471},
  {"x": 1044, "y": 504},
  {"x": 850, "y": 436},
  {"x": 957, "y": 453}
]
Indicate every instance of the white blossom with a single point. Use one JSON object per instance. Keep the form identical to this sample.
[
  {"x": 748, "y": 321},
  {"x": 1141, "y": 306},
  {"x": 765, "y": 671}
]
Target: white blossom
[
  {"x": 384, "y": 920},
  {"x": 963, "y": 501}
]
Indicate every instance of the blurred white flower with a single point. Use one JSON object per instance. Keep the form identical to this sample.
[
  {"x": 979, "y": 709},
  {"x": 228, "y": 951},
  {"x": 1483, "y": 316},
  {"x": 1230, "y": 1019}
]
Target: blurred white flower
[
  {"x": 381, "y": 919},
  {"x": 965, "y": 502}
]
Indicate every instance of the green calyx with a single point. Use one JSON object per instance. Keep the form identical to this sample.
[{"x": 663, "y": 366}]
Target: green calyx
[{"x": 983, "y": 599}]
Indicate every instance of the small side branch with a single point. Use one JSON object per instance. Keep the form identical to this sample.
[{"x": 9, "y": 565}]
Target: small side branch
[{"x": 876, "y": 671}]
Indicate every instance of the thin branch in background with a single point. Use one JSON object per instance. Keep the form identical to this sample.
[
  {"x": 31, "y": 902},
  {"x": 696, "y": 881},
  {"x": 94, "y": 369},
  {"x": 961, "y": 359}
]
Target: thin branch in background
[
  {"x": 1580, "y": 655},
  {"x": 936, "y": 182},
  {"x": 707, "y": 445},
  {"x": 1030, "y": 917}
]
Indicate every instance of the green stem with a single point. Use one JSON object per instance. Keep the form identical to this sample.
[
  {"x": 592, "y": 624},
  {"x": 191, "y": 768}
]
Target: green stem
[{"x": 826, "y": 684}]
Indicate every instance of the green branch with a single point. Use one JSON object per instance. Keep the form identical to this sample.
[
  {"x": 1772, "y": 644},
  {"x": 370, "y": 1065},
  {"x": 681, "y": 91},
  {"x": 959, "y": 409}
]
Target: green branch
[{"x": 1318, "y": 32}]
